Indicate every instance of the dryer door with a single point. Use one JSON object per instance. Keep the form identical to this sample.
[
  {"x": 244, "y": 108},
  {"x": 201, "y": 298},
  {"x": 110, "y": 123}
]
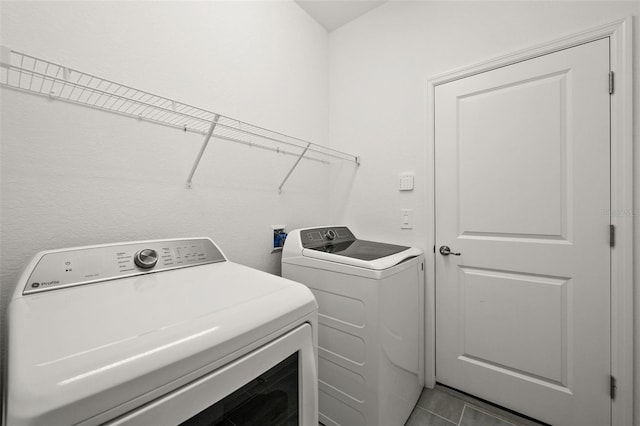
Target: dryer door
[{"x": 274, "y": 384}]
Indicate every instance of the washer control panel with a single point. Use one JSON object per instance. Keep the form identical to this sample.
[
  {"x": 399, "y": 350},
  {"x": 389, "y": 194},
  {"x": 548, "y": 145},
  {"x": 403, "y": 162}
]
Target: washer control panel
[
  {"x": 84, "y": 265},
  {"x": 318, "y": 237}
]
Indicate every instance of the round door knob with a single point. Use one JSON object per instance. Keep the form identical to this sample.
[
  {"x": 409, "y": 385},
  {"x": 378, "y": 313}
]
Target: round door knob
[
  {"x": 331, "y": 234},
  {"x": 146, "y": 258}
]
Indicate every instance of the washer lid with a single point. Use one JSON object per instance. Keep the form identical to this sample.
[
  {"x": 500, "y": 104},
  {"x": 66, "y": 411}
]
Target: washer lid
[
  {"x": 377, "y": 264},
  {"x": 362, "y": 249},
  {"x": 338, "y": 244},
  {"x": 84, "y": 350}
]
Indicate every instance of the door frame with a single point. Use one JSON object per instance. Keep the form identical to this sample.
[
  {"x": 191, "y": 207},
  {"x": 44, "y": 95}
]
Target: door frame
[{"x": 621, "y": 212}]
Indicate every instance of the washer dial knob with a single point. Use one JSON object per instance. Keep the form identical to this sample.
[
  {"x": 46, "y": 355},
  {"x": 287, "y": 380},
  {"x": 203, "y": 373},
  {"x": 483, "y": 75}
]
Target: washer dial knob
[
  {"x": 331, "y": 234},
  {"x": 146, "y": 258}
]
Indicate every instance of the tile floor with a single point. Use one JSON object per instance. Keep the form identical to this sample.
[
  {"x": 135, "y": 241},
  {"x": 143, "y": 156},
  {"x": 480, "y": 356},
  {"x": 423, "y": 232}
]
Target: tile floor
[{"x": 442, "y": 406}]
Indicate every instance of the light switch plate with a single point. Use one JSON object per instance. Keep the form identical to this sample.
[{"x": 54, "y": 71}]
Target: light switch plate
[
  {"x": 406, "y": 182},
  {"x": 406, "y": 219}
]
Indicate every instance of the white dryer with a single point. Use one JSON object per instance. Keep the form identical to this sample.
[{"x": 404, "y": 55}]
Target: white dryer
[
  {"x": 371, "y": 323},
  {"x": 158, "y": 333}
]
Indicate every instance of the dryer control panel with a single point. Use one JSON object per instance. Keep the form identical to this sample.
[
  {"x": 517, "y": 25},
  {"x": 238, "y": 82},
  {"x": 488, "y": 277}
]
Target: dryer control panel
[
  {"x": 319, "y": 237},
  {"x": 84, "y": 265}
]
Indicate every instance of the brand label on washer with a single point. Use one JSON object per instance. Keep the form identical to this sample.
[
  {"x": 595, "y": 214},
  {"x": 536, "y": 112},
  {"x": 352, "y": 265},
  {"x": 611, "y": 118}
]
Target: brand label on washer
[{"x": 44, "y": 284}]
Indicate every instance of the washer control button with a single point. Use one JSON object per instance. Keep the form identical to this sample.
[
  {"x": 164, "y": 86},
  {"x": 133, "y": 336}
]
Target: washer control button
[{"x": 146, "y": 259}]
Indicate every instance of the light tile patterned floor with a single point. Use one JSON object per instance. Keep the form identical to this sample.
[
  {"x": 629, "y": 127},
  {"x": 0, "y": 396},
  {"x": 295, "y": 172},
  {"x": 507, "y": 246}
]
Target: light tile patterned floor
[{"x": 442, "y": 406}]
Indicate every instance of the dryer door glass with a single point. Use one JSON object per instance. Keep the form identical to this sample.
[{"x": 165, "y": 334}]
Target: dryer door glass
[{"x": 269, "y": 399}]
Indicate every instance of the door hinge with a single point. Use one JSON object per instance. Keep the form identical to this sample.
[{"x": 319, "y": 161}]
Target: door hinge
[
  {"x": 614, "y": 387},
  {"x": 612, "y": 235},
  {"x": 611, "y": 82}
]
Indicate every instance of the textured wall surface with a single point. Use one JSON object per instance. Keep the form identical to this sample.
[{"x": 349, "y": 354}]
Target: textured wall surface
[{"x": 77, "y": 176}]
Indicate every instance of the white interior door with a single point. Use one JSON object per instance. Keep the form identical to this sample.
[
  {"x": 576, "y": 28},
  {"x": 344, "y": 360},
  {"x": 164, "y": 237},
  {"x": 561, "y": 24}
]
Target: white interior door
[{"x": 522, "y": 193}]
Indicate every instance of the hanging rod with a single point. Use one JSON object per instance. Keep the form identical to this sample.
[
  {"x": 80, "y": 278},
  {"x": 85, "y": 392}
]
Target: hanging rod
[{"x": 28, "y": 73}]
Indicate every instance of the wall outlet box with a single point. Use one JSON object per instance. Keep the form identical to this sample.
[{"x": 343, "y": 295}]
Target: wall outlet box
[{"x": 279, "y": 235}]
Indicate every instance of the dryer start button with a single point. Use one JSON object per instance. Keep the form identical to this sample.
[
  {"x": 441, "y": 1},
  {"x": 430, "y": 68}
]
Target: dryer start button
[{"x": 146, "y": 258}]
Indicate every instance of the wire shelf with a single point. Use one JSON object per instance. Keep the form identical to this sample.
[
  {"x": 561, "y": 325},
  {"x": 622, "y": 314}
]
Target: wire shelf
[{"x": 27, "y": 73}]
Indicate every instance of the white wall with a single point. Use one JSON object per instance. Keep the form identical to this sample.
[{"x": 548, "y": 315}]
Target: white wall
[
  {"x": 76, "y": 176},
  {"x": 379, "y": 66}
]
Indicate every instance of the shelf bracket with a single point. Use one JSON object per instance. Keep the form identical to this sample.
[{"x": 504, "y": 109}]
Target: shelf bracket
[
  {"x": 293, "y": 168},
  {"x": 202, "y": 149}
]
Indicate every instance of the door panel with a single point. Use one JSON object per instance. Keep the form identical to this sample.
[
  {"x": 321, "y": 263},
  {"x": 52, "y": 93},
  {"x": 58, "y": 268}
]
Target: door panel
[
  {"x": 524, "y": 314},
  {"x": 522, "y": 191},
  {"x": 503, "y": 199}
]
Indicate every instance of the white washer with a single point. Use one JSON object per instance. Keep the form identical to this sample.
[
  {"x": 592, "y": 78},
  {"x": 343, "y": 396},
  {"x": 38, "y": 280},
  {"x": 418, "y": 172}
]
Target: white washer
[
  {"x": 371, "y": 323},
  {"x": 158, "y": 333}
]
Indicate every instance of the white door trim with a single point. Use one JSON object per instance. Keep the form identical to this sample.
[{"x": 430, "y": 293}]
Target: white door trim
[{"x": 620, "y": 34}]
